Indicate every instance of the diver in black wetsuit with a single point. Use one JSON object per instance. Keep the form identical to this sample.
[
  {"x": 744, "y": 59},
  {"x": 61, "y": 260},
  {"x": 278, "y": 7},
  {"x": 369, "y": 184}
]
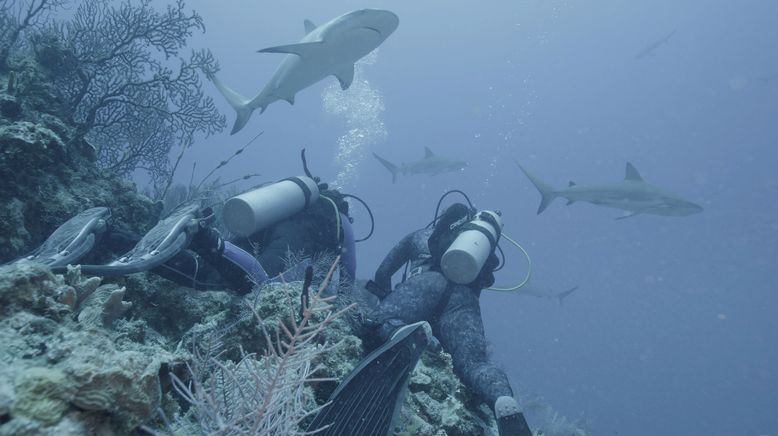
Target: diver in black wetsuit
[
  {"x": 452, "y": 310},
  {"x": 322, "y": 228}
]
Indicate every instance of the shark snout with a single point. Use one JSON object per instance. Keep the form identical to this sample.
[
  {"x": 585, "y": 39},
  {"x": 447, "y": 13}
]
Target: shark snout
[
  {"x": 382, "y": 21},
  {"x": 695, "y": 208}
]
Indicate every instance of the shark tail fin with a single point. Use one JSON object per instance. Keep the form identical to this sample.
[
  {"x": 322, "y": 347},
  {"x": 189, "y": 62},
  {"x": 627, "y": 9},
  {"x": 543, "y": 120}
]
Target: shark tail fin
[
  {"x": 547, "y": 194},
  {"x": 564, "y": 294},
  {"x": 389, "y": 166},
  {"x": 237, "y": 101}
]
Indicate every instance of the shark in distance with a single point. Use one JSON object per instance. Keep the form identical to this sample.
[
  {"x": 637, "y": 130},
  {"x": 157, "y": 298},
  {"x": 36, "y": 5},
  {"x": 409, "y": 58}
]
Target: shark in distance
[
  {"x": 327, "y": 50},
  {"x": 650, "y": 49},
  {"x": 531, "y": 290},
  {"x": 431, "y": 164},
  {"x": 632, "y": 194}
]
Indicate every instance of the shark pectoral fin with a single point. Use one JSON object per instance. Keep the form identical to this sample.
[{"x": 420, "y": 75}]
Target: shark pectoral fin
[
  {"x": 345, "y": 77},
  {"x": 630, "y": 215},
  {"x": 303, "y": 49},
  {"x": 309, "y": 26},
  {"x": 290, "y": 99}
]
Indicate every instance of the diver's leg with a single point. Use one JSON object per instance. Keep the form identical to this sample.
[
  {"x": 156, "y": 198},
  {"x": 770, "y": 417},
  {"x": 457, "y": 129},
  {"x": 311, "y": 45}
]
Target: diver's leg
[
  {"x": 416, "y": 299},
  {"x": 461, "y": 333}
]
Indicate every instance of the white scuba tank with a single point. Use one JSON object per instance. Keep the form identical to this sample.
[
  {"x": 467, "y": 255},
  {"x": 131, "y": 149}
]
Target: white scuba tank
[
  {"x": 254, "y": 210},
  {"x": 465, "y": 257}
]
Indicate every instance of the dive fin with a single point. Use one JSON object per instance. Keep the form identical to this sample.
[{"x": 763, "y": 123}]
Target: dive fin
[
  {"x": 631, "y": 173},
  {"x": 237, "y": 101},
  {"x": 345, "y": 77},
  {"x": 369, "y": 399},
  {"x": 72, "y": 240},
  {"x": 547, "y": 194},
  {"x": 309, "y": 26},
  {"x": 303, "y": 49},
  {"x": 428, "y": 153},
  {"x": 389, "y": 166},
  {"x": 562, "y": 295},
  {"x": 510, "y": 420},
  {"x": 160, "y": 244}
]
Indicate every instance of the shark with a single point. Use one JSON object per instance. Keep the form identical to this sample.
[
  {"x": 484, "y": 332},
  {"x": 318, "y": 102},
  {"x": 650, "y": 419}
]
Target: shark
[
  {"x": 545, "y": 293},
  {"x": 430, "y": 164},
  {"x": 651, "y": 48},
  {"x": 632, "y": 194},
  {"x": 331, "y": 49}
]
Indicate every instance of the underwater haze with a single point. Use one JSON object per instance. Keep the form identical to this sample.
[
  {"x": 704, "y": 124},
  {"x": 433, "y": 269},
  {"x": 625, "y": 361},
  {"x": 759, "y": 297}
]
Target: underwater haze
[{"x": 673, "y": 328}]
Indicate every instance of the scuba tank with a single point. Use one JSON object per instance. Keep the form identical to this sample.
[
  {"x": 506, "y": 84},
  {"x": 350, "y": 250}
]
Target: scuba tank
[
  {"x": 462, "y": 261},
  {"x": 252, "y": 211}
]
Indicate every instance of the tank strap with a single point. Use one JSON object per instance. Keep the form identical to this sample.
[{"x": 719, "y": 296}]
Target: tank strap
[
  {"x": 471, "y": 226},
  {"x": 493, "y": 222},
  {"x": 306, "y": 190}
]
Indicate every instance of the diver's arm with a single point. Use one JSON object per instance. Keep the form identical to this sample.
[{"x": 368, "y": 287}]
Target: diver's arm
[{"x": 400, "y": 254}]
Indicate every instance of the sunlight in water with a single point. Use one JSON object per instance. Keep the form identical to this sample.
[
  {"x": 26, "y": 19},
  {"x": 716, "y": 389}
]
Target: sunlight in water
[{"x": 361, "y": 107}]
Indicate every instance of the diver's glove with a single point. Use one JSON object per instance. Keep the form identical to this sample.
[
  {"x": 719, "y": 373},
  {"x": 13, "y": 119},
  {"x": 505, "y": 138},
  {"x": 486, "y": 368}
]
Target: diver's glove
[
  {"x": 207, "y": 242},
  {"x": 376, "y": 289}
]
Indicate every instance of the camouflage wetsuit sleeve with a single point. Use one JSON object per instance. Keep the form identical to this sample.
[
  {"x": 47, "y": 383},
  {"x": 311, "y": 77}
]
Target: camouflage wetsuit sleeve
[{"x": 412, "y": 247}]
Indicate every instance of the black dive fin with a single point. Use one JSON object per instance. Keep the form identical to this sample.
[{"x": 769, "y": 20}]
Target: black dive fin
[
  {"x": 72, "y": 240},
  {"x": 513, "y": 425},
  {"x": 160, "y": 244},
  {"x": 370, "y": 398}
]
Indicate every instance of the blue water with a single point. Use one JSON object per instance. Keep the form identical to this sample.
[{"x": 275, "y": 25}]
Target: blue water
[{"x": 673, "y": 329}]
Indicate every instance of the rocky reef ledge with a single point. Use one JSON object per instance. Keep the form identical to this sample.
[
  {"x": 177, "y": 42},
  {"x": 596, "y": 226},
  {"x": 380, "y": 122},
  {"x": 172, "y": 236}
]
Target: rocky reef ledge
[{"x": 80, "y": 356}]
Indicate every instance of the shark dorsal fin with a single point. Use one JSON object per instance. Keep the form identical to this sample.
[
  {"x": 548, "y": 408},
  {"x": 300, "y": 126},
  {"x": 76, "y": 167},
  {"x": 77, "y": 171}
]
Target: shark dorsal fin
[
  {"x": 345, "y": 77},
  {"x": 632, "y": 174},
  {"x": 428, "y": 153},
  {"x": 303, "y": 49},
  {"x": 570, "y": 184},
  {"x": 309, "y": 26}
]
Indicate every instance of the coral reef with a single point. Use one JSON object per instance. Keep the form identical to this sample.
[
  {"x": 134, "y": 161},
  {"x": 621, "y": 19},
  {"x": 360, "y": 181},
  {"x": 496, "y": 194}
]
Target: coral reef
[
  {"x": 62, "y": 376},
  {"x": 68, "y": 368}
]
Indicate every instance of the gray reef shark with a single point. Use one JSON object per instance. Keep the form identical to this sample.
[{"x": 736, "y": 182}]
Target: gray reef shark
[
  {"x": 651, "y": 48},
  {"x": 327, "y": 50},
  {"x": 632, "y": 194},
  {"x": 430, "y": 164}
]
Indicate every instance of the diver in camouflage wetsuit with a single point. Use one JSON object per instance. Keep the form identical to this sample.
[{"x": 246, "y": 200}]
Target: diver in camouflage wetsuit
[{"x": 452, "y": 310}]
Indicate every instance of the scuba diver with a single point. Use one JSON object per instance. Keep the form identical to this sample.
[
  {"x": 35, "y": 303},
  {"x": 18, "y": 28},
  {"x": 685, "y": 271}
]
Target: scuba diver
[
  {"x": 297, "y": 216},
  {"x": 436, "y": 305}
]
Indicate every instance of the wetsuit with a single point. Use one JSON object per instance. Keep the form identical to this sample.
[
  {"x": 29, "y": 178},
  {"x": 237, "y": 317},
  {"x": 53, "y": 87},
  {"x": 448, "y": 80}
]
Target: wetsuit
[{"x": 452, "y": 310}]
